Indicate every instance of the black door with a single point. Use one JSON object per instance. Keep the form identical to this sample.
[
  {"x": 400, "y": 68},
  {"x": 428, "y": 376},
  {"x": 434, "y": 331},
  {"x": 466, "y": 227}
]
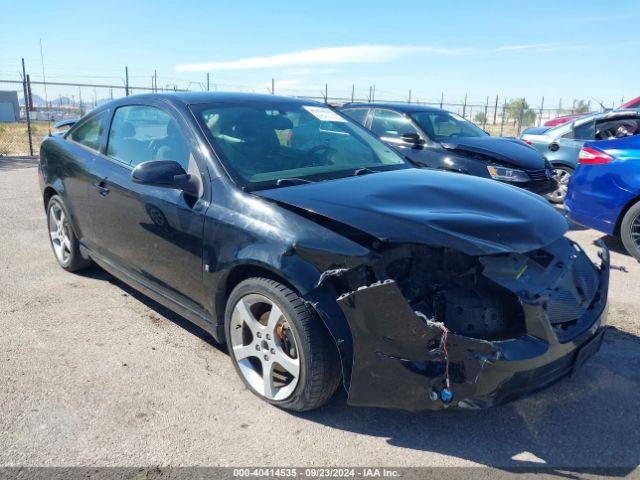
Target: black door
[
  {"x": 153, "y": 233},
  {"x": 85, "y": 141}
]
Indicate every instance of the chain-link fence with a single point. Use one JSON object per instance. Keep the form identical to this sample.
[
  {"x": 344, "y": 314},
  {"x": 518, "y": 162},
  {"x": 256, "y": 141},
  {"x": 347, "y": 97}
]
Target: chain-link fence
[{"x": 49, "y": 102}]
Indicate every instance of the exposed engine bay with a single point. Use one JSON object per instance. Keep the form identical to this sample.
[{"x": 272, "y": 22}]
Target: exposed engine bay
[{"x": 446, "y": 328}]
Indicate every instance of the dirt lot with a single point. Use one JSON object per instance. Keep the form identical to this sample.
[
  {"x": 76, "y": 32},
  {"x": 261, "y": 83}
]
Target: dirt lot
[{"x": 93, "y": 373}]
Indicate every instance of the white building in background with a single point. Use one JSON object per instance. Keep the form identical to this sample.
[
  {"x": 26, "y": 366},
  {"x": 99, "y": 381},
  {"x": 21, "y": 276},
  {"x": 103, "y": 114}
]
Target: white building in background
[{"x": 9, "y": 107}]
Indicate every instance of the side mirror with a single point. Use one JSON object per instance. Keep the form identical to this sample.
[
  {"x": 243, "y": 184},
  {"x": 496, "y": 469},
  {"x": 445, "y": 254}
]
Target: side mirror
[
  {"x": 167, "y": 174},
  {"x": 413, "y": 139}
]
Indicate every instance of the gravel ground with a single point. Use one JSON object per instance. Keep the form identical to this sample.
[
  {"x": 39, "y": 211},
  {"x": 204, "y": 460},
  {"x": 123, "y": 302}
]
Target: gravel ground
[{"x": 93, "y": 373}]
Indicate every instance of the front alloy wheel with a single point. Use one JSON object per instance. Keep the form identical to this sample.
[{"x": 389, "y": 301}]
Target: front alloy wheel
[
  {"x": 264, "y": 347},
  {"x": 562, "y": 175},
  {"x": 279, "y": 347}
]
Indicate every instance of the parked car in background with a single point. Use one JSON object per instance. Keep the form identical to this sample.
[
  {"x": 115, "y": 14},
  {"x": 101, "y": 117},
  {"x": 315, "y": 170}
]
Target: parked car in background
[
  {"x": 633, "y": 103},
  {"x": 561, "y": 145},
  {"x": 317, "y": 253},
  {"x": 436, "y": 138},
  {"x": 604, "y": 192},
  {"x": 564, "y": 119}
]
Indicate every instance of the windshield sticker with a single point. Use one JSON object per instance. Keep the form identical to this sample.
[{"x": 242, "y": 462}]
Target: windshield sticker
[{"x": 324, "y": 114}]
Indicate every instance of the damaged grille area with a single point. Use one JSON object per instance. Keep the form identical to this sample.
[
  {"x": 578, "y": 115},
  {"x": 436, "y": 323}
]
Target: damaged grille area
[{"x": 449, "y": 286}]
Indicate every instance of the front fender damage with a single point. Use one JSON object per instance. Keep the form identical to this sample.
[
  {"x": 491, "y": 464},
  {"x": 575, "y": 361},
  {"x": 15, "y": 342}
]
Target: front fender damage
[{"x": 428, "y": 328}]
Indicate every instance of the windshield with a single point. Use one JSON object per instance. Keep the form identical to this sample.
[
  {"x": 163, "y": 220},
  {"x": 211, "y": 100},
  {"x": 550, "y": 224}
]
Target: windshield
[
  {"x": 267, "y": 145},
  {"x": 442, "y": 126}
]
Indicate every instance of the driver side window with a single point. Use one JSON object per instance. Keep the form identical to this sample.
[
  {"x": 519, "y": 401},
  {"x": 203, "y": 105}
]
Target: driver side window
[
  {"x": 390, "y": 125},
  {"x": 141, "y": 133}
]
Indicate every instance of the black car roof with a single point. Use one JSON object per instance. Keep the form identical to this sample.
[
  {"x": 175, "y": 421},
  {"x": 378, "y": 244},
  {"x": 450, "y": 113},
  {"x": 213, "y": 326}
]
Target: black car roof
[
  {"x": 400, "y": 107},
  {"x": 192, "y": 98}
]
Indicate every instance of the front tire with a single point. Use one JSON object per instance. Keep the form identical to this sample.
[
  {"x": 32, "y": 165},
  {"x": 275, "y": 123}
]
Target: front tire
[
  {"x": 280, "y": 349},
  {"x": 64, "y": 242},
  {"x": 630, "y": 231},
  {"x": 562, "y": 175}
]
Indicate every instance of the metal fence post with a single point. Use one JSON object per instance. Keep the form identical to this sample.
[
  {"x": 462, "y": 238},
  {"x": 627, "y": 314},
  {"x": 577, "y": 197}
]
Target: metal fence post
[
  {"x": 495, "y": 111},
  {"x": 273, "y": 86},
  {"x": 126, "y": 81},
  {"x": 409, "y": 96},
  {"x": 486, "y": 109},
  {"x": 353, "y": 91},
  {"x": 464, "y": 107},
  {"x": 26, "y": 107},
  {"x": 520, "y": 115},
  {"x": 504, "y": 109},
  {"x": 208, "y": 81},
  {"x": 441, "y": 100},
  {"x": 541, "y": 108}
]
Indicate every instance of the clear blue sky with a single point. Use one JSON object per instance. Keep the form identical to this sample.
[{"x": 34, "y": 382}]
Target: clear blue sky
[{"x": 559, "y": 49}]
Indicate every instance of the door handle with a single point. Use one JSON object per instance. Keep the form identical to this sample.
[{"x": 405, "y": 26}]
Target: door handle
[{"x": 102, "y": 189}]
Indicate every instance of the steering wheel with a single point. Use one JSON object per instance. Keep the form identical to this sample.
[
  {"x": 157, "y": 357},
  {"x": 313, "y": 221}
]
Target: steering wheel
[{"x": 321, "y": 152}]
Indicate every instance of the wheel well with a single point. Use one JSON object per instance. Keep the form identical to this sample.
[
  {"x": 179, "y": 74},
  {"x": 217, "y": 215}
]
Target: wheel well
[
  {"x": 46, "y": 196},
  {"x": 237, "y": 275},
  {"x": 623, "y": 212}
]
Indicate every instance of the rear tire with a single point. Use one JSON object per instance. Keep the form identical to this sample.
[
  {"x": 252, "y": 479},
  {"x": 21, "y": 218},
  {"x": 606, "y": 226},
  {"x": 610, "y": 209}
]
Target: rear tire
[
  {"x": 630, "y": 231},
  {"x": 64, "y": 242},
  {"x": 282, "y": 352},
  {"x": 562, "y": 174}
]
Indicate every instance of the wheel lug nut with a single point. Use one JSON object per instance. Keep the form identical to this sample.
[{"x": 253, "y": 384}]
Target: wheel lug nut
[
  {"x": 258, "y": 347},
  {"x": 268, "y": 336},
  {"x": 266, "y": 357},
  {"x": 273, "y": 351},
  {"x": 259, "y": 335}
]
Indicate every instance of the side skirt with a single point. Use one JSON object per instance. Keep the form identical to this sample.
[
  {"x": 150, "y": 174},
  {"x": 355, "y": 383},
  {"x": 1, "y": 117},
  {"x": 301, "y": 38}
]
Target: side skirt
[{"x": 216, "y": 330}]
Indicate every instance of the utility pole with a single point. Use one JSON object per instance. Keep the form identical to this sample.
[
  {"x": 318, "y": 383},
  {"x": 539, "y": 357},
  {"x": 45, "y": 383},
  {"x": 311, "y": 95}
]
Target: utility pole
[
  {"x": 126, "y": 81},
  {"x": 26, "y": 106}
]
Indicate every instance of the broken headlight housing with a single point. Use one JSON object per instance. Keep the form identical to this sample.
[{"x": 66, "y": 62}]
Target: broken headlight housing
[{"x": 507, "y": 174}]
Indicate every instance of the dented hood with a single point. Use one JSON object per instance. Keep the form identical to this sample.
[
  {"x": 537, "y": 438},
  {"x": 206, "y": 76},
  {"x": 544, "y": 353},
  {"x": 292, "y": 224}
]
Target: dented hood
[
  {"x": 470, "y": 214},
  {"x": 509, "y": 150}
]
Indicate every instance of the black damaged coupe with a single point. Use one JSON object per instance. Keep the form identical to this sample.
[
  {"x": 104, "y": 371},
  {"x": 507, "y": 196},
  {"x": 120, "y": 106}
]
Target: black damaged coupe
[{"x": 320, "y": 256}]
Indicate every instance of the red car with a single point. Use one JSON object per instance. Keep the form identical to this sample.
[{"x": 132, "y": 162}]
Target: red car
[{"x": 635, "y": 103}]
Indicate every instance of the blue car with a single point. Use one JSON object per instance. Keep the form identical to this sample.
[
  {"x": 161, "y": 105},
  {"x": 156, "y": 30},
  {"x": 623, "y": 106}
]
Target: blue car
[
  {"x": 604, "y": 191},
  {"x": 561, "y": 145}
]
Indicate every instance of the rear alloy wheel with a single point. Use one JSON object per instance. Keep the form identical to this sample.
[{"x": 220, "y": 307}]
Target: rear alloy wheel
[
  {"x": 630, "y": 231},
  {"x": 64, "y": 243},
  {"x": 562, "y": 175},
  {"x": 279, "y": 348}
]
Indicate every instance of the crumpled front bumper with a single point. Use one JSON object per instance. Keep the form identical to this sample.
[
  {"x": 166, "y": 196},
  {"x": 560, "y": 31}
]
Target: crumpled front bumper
[{"x": 398, "y": 360}]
